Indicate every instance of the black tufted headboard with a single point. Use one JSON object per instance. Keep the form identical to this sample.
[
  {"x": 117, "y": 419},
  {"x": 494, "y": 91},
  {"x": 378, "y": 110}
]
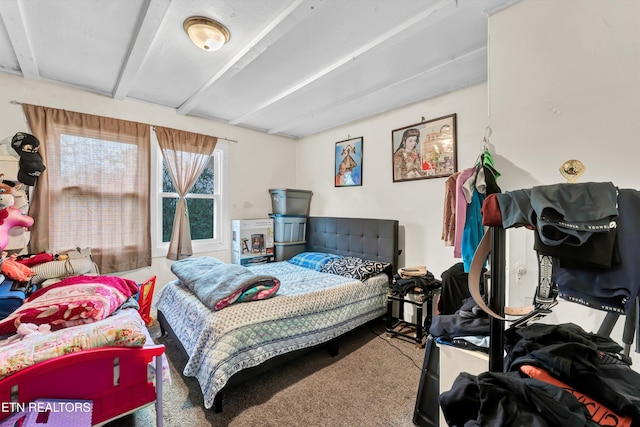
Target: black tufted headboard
[{"x": 374, "y": 239}]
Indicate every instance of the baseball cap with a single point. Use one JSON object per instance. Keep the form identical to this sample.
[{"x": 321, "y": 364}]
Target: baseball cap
[{"x": 27, "y": 146}]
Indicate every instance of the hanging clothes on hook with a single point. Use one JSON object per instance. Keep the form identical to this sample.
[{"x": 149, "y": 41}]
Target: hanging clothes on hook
[
  {"x": 461, "y": 210},
  {"x": 473, "y": 185},
  {"x": 486, "y": 181},
  {"x": 449, "y": 213}
]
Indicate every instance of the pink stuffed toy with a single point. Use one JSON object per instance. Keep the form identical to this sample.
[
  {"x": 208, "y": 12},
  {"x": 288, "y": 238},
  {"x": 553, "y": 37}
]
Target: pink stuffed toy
[
  {"x": 25, "y": 330},
  {"x": 9, "y": 216},
  {"x": 31, "y": 329}
]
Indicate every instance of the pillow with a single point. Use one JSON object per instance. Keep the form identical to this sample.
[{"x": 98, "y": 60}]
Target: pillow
[
  {"x": 312, "y": 260},
  {"x": 60, "y": 269},
  {"x": 355, "y": 268}
]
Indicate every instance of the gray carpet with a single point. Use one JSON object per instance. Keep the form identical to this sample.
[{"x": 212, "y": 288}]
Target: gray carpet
[{"x": 373, "y": 381}]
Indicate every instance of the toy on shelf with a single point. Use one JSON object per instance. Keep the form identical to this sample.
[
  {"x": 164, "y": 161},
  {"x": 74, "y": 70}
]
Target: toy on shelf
[{"x": 10, "y": 217}]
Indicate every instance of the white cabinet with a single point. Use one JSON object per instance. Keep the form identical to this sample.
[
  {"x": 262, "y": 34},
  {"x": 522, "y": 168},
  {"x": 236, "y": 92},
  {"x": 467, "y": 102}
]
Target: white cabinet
[{"x": 454, "y": 360}]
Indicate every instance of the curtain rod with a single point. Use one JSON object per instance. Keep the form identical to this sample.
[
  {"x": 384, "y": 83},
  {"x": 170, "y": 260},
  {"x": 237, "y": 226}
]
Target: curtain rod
[{"x": 14, "y": 102}]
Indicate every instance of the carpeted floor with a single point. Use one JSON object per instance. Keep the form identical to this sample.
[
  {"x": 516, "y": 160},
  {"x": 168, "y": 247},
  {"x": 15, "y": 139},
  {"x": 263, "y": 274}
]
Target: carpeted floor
[{"x": 372, "y": 382}]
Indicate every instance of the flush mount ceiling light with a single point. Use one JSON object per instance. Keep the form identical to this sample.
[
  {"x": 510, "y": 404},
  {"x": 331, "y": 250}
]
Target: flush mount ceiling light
[{"x": 206, "y": 33}]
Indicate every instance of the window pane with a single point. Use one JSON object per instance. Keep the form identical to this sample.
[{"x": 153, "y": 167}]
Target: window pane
[
  {"x": 108, "y": 161},
  {"x": 90, "y": 218},
  {"x": 204, "y": 184},
  {"x": 168, "y": 213},
  {"x": 167, "y": 184},
  {"x": 201, "y": 218},
  {"x": 95, "y": 185}
]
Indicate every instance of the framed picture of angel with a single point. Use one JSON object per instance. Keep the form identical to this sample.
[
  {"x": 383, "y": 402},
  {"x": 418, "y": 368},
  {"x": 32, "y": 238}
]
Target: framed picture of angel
[
  {"x": 348, "y": 165},
  {"x": 425, "y": 150}
]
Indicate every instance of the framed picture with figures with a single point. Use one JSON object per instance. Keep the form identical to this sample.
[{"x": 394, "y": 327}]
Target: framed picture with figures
[
  {"x": 348, "y": 164},
  {"x": 424, "y": 150}
]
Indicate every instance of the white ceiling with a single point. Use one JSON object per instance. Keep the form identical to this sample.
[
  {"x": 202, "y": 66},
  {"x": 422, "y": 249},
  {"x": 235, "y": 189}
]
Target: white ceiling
[{"x": 291, "y": 67}]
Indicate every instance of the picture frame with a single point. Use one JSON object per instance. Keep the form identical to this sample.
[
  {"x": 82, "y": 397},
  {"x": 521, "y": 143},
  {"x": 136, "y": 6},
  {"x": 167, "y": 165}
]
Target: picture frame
[
  {"x": 432, "y": 152},
  {"x": 348, "y": 162}
]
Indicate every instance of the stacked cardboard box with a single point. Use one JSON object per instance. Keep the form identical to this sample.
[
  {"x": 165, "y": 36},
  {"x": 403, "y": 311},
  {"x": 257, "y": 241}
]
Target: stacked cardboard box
[{"x": 252, "y": 241}]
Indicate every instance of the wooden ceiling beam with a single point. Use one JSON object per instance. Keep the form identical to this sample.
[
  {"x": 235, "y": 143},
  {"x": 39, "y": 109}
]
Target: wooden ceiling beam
[
  {"x": 438, "y": 7},
  {"x": 147, "y": 29},
  {"x": 465, "y": 56},
  {"x": 13, "y": 18}
]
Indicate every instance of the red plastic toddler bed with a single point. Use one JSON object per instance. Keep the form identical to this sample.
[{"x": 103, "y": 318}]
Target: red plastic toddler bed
[
  {"x": 93, "y": 349},
  {"x": 115, "y": 379}
]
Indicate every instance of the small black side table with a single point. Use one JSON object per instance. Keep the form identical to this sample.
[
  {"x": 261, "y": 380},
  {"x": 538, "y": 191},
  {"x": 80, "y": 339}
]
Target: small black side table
[{"x": 395, "y": 326}]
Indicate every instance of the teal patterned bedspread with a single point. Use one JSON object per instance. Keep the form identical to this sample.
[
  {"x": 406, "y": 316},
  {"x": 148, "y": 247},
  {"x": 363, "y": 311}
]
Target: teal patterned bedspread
[{"x": 310, "y": 308}]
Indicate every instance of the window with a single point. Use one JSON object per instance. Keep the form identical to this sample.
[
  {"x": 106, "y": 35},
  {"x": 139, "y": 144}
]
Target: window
[
  {"x": 97, "y": 190},
  {"x": 205, "y": 202},
  {"x": 82, "y": 195}
]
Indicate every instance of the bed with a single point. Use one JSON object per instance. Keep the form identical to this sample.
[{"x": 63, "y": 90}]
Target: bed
[
  {"x": 311, "y": 308},
  {"x": 111, "y": 362}
]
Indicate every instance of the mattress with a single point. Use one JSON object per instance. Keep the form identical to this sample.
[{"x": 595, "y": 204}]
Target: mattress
[
  {"x": 310, "y": 308},
  {"x": 124, "y": 329}
]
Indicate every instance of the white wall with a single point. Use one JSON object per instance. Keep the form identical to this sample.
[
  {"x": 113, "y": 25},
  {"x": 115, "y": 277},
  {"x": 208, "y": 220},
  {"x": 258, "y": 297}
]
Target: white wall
[
  {"x": 256, "y": 163},
  {"x": 564, "y": 83},
  {"x": 564, "y": 79},
  {"x": 418, "y": 205}
]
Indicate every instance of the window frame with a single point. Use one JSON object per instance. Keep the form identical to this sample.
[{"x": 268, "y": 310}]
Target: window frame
[{"x": 220, "y": 197}]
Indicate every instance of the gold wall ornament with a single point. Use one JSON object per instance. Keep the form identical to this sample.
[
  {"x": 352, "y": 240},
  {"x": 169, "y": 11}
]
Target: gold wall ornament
[{"x": 572, "y": 170}]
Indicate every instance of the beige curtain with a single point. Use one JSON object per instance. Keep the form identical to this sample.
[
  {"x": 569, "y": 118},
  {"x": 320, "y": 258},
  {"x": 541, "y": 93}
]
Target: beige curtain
[
  {"x": 95, "y": 190},
  {"x": 186, "y": 154}
]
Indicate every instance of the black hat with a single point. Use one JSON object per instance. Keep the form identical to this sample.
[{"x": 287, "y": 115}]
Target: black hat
[
  {"x": 27, "y": 146},
  {"x": 30, "y": 171}
]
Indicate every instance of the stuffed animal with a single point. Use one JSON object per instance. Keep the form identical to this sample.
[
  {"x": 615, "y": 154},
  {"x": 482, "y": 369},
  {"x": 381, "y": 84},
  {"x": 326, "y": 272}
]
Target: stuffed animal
[
  {"x": 25, "y": 330},
  {"x": 31, "y": 329},
  {"x": 6, "y": 194},
  {"x": 10, "y": 217},
  {"x": 14, "y": 270}
]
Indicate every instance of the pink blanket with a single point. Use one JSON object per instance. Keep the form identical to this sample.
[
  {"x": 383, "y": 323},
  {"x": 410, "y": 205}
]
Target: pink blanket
[{"x": 72, "y": 301}]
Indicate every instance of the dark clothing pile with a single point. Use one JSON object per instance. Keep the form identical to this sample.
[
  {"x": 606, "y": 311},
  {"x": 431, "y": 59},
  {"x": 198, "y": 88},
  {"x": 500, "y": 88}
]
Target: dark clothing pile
[
  {"x": 418, "y": 284},
  {"x": 455, "y": 289},
  {"x": 468, "y": 320},
  {"x": 460, "y": 322},
  {"x": 507, "y": 399},
  {"x": 588, "y": 364}
]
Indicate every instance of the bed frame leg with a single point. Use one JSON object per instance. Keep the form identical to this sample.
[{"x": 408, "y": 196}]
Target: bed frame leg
[
  {"x": 161, "y": 321},
  {"x": 333, "y": 348},
  {"x": 217, "y": 403},
  {"x": 159, "y": 417}
]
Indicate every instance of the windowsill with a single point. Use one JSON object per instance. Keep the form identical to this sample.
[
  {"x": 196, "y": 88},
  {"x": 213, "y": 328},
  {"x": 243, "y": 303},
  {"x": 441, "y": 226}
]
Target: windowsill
[{"x": 198, "y": 248}]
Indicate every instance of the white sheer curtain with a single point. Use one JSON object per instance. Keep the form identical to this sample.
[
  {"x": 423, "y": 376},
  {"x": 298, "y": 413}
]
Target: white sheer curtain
[{"x": 186, "y": 155}]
